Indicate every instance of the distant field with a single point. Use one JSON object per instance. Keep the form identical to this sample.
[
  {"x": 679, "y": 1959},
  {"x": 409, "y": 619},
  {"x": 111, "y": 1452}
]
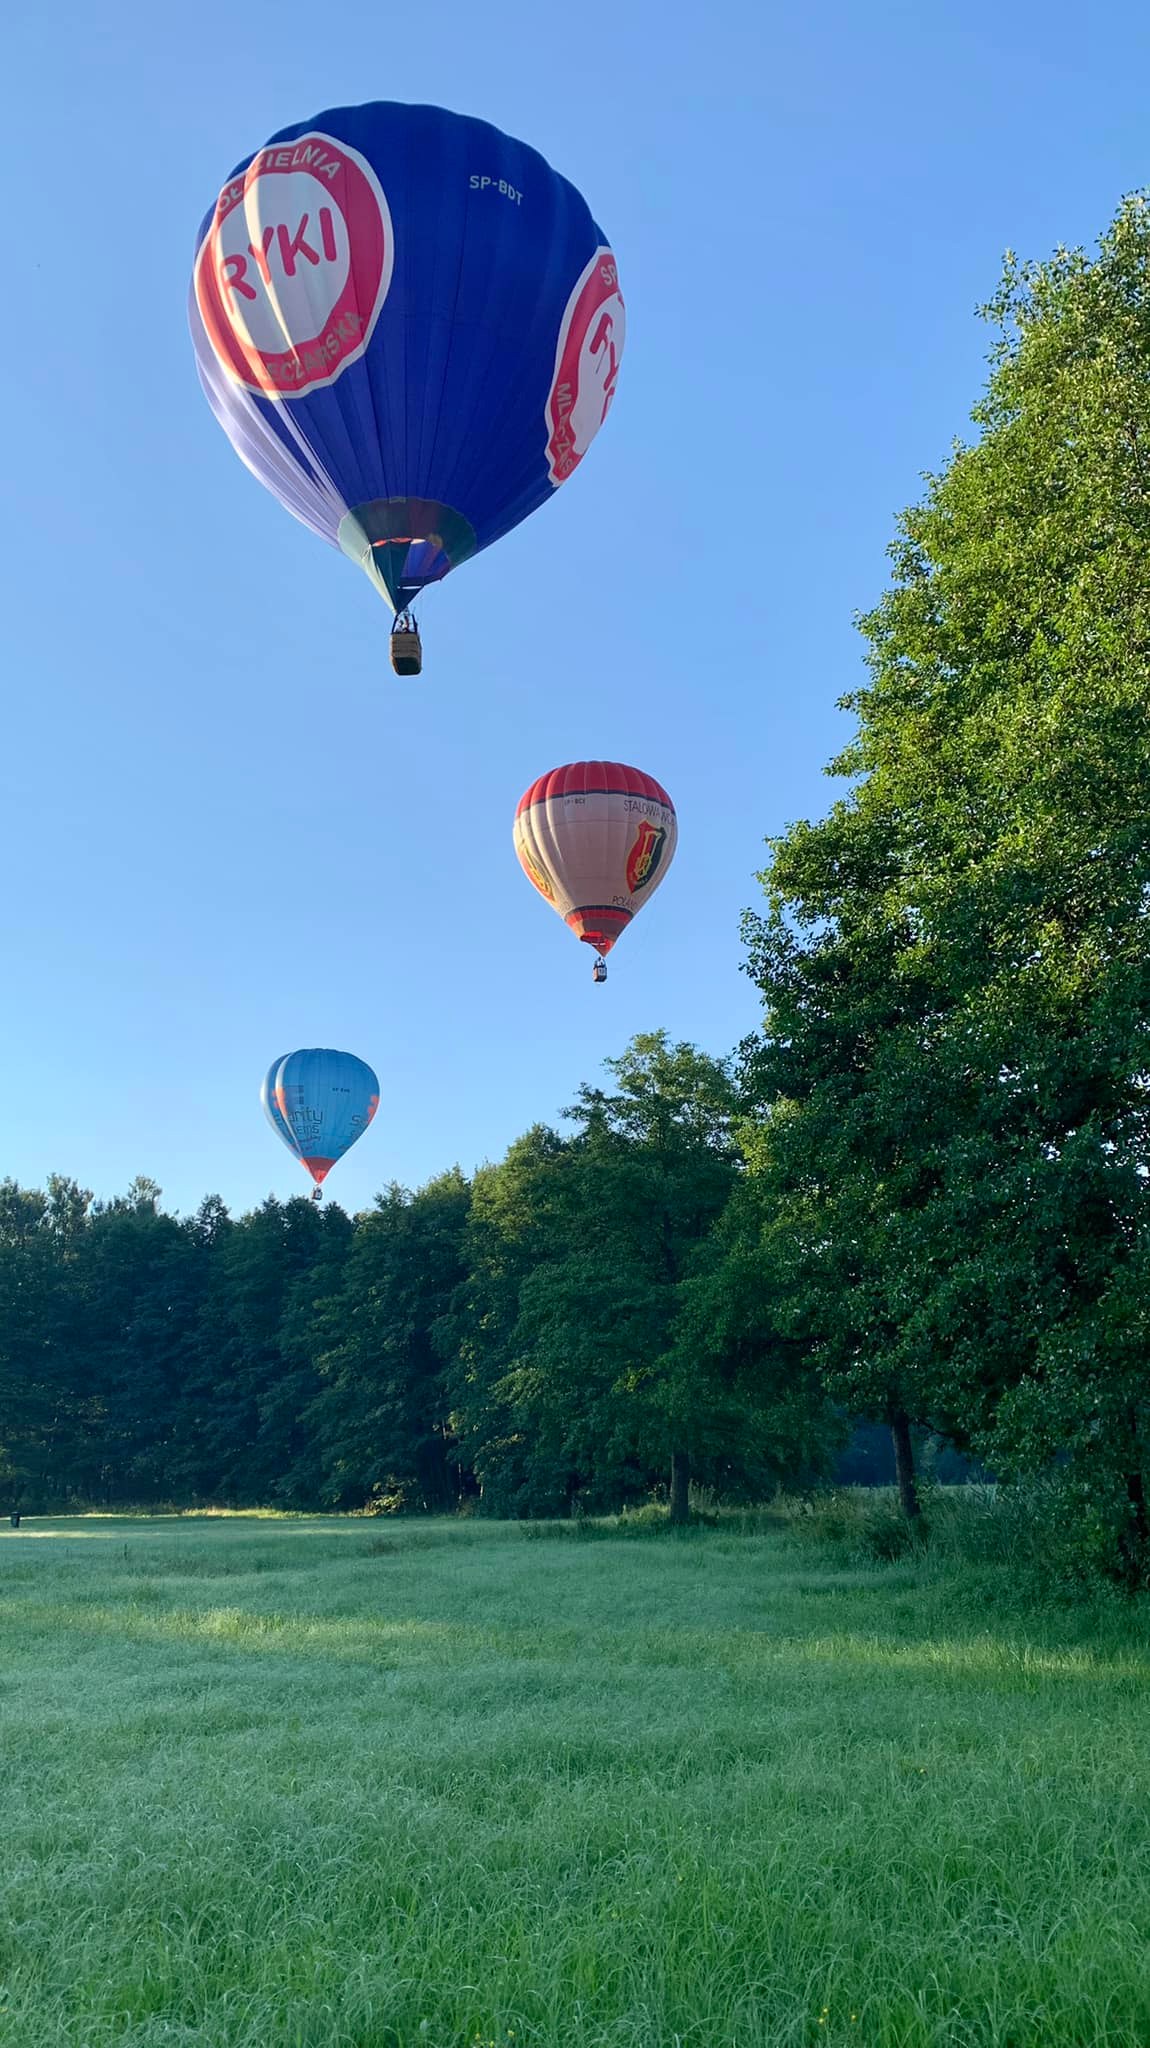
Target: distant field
[{"x": 323, "y": 1784}]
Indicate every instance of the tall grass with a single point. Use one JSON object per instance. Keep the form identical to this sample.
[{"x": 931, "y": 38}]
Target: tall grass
[{"x": 314, "y": 1784}]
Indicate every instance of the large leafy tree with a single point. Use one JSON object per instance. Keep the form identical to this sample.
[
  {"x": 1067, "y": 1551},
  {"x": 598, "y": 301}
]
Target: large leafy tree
[
  {"x": 954, "y": 963},
  {"x": 380, "y": 1418},
  {"x": 31, "y": 1385},
  {"x": 583, "y": 1245},
  {"x": 133, "y": 1339},
  {"x": 513, "y": 1224},
  {"x": 245, "y": 1394},
  {"x": 755, "y": 1409},
  {"x": 657, "y": 1162}
]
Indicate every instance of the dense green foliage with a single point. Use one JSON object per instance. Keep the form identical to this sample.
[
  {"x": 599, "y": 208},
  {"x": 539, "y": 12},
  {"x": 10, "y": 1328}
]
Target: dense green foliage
[
  {"x": 523, "y": 1341},
  {"x": 331, "y": 1785},
  {"x": 953, "y": 1081}
]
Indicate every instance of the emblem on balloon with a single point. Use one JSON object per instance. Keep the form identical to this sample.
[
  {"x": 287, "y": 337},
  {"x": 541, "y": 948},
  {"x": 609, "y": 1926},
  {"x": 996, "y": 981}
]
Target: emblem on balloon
[
  {"x": 586, "y": 365},
  {"x": 645, "y": 855},
  {"x": 295, "y": 266},
  {"x": 536, "y": 873}
]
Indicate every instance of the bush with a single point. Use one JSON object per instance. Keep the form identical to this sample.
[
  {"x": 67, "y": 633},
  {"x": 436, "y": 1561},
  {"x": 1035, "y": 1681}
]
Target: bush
[
  {"x": 1054, "y": 1537},
  {"x": 887, "y": 1535},
  {"x": 862, "y": 1525},
  {"x": 830, "y": 1521},
  {"x": 652, "y": 1519}
]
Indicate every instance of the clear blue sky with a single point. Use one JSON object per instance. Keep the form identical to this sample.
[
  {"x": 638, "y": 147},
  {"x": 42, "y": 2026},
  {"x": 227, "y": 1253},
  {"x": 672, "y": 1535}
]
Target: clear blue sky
[{"x": 807, "y": 205}]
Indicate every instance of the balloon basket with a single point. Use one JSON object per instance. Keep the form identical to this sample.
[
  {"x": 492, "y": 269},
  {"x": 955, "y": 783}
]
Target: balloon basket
[{"x": 406, "y": 646}]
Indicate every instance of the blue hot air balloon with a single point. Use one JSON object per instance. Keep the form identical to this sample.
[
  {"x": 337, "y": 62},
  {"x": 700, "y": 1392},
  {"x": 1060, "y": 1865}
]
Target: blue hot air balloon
[
  {"x": 409, "y": 327},
  {"x": 319, "y": 1102}
]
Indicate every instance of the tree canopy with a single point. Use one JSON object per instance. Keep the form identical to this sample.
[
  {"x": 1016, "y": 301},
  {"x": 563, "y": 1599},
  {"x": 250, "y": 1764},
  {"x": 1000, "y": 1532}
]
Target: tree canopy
[{"x": 952, "y": 1080}]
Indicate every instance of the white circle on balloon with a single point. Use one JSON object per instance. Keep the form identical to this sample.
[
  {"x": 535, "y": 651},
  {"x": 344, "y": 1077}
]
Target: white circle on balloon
[{"x": 283, "y": 259}]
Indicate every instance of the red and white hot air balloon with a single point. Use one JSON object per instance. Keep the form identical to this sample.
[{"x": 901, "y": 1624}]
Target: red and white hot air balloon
[{"x": 596, "y": 839}]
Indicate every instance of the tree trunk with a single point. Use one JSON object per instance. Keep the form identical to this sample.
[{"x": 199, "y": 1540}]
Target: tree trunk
[
  {"x": 1137, "y": 1543},
  {"x": 680, "y": 1481},
  {"x": 904, "y": 1464},
  {"x": 1136, "y": 1494},
  {"x": 434, "y": 1476}
]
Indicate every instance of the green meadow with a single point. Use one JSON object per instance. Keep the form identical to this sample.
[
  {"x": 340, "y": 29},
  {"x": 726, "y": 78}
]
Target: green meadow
[{"x": 311, "y": 1783}]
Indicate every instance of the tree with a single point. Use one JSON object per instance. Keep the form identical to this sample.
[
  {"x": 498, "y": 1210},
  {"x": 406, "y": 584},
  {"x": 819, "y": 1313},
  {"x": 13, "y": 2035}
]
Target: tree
[
  {"x": 754, "y": 1404},
  {"x": 510, "y": 1228},
  {"x": 243, "y": 1398},
  {"x": 137, "y": 1300},
  {"x": 29, "y": 1392},
  {"x": 577, "y": 1248},
  {"x": 953, "y": 1077},
  {"x": 379, "y": 1419},
  {"x": 658, "y": 1162}
]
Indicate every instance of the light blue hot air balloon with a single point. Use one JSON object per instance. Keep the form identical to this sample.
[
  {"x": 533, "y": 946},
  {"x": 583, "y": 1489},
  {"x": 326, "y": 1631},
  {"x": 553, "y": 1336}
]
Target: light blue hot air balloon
[
  {"x": 409, "y": 327},
  {"x": 319, "y": 1102}
]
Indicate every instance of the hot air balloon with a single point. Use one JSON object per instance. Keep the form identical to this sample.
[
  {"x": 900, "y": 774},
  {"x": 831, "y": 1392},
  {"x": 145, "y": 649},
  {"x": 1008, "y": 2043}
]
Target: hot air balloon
[
  {"x": 596, "y": 839},
  {"x": 409, "y": 327},
  {"x": 319, "y": 1102}
]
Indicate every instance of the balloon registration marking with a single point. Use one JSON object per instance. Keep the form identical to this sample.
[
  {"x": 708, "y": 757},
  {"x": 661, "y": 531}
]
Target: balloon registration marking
[
  {"x": 587, "y": 362},
  {"x": 295, "y": 267}
]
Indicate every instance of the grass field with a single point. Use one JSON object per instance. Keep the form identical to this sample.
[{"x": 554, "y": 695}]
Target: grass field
[{"x": 321, "y": 1784}]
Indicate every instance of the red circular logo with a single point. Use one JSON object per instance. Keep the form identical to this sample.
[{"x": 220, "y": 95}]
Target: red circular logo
[
  {"x": 293, "y": 271},
  {"x": 587, "y": 362}
]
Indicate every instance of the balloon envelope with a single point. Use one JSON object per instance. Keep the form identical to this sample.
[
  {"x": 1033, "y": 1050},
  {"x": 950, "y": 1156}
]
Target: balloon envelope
[
  {"x": 596, "y": 839},
  {"x": 319, "y": 1102},
  {"x": 409, "y": 327}
]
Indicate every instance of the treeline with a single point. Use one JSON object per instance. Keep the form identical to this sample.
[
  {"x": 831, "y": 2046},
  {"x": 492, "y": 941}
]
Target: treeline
[
  {"x": 920, "y": 1194},
  {"x": 528, "y": 1339}
]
